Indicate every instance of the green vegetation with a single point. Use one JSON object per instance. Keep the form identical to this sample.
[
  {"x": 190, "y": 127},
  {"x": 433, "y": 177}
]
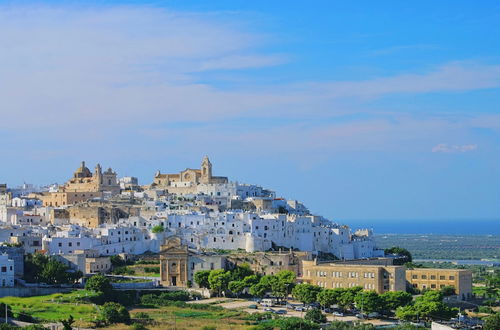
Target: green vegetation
[
  {"x": 492, "y": 322},
  {"x": 428, "y": 306},
  {"x": 39, "y": 268},
  {"x": 315, "y": 315},
  {"x": 306, "y": 293},
  {"x": 99, "y": 283},
  {"x": 112, "y": 312},
  {"x": 404, "y": 254},
  {"x": 158, "y": 229}
]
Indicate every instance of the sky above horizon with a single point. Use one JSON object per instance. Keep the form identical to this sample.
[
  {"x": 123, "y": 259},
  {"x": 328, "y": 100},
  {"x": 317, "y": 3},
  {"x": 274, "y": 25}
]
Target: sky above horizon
[{"x": 365, "y": 110}]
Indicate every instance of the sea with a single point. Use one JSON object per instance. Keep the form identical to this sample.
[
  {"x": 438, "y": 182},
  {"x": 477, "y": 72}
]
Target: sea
[{"x": 436, "y": 226}]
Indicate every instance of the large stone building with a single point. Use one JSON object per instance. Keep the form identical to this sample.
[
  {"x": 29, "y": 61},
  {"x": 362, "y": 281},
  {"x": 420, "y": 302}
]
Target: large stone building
[
  {"x": 186, "y": 182},
  {"x": 379, "y": 278},
  {"x": 85, "y": 181},
  {"x": 436, "y": 278},
  {"x": 84, "y": 185}
]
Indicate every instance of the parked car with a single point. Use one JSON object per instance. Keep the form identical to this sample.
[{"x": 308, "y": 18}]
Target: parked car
[
  {"x": 268, "y": 309},
  {"x": 328, "y": 310},
  {"x": 253, "y": 306},
  {"x": 361, "y": 316},
  {"x": 280, "y": 311},
  {"x": 373, "y": 315},
  {"x": 334, "y": 313},
  {"x": 300, "y": 309}
]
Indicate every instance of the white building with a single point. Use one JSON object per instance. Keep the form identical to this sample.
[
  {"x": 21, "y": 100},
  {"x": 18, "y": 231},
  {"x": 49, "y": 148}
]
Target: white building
[{"x": 6, "y": 271}]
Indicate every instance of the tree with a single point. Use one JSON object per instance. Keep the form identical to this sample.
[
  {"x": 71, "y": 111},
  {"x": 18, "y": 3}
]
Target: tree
[
  {"x": 201, "y": 278},
  {"x": 315, "y": 315},
  {"x": 114, "y": 313},
  {"x": 329, "y": 297},
  {"x": 259, "y": 290},
  {"x": 391, "y": 300},
  {"x": 287, "y": 278},
  {"x": 236, "y": 287},
  {"x": 306, "y": 293},
  {"x": 99, "y": 283},
  {"x": 219, "y": 280},
  {"x": 346, "y": 298},
  {"x": 158, "y": 229},
  {"x": 492, "y": 322},
  {"x": 368, "y": 301},
  {"x": 427, "y": 306},
  {"x": 448, "y": 290},
  {"x": 117, "y": 261},
  {"x": 404, "y": 253},
  {"x": 68, "y": 323},
  {"x": 40, "y": 268},
  {"x": 240, "y": 272},
  {"x": 251, "y": 280}
]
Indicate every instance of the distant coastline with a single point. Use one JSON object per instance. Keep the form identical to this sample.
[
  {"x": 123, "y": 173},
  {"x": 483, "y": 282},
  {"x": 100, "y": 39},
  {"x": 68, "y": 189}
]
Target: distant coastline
[{"x": 429, "y": 227}]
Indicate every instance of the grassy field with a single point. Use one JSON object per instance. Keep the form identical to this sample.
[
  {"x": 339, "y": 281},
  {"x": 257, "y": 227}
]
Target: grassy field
[{"x": 53, "y": 308}]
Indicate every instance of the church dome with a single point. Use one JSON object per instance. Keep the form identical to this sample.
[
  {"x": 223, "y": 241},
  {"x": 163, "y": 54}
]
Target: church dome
[{"x": 82, "y": 172}]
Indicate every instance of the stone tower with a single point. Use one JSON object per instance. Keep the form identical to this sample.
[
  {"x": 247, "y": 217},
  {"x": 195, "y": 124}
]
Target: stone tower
[{"x": 206, "y": 170}]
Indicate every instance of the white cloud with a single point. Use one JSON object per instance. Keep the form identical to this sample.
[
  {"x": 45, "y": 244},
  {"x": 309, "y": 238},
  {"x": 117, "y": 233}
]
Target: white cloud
[{"x": 445, "y": 148}]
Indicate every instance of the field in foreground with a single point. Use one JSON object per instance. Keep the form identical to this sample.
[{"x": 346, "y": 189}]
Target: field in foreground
[{"x": 53, "y": 308}]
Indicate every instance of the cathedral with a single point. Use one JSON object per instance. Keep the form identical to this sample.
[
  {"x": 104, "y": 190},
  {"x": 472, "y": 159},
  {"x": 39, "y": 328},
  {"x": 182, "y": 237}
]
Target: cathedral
[
  {"x": 187, "y": 180},
  {"x": 84, "y": 180}
]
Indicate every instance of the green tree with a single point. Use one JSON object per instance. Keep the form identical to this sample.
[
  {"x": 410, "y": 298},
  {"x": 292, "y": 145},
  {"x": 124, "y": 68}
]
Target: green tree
[
  {"x": 287, "y": 279},
  {"x": 492, "y": 322},
  {"x": 346, "y": 298},
  {"x": 68, "y": 323},
  {"x": 219, "y": 280},
  {"x": 428, "y": 306},
  {"x": 99, "y": 283},
  {"x": 329, "y": 297},
  {"x": 368, "y": 301},
  {"x": 315, "y": 315},
  {"x": 117, "y": 261},
  {"x": 236, "y": 287},
  {"x": 201, "y": 278},
  {"x": 403, "y": 253},
  {"x": 259, "y": 290},
  {"x": 112, "y": 312},
  {"x": 158, "y": 229},
  {"x": 448, "y": 290},
  {"x": 306, "y": 293},
  {"x": 240, "y": 272},
  {"x": 394, "y": 299},
  {"x": 251, "y": 280}
]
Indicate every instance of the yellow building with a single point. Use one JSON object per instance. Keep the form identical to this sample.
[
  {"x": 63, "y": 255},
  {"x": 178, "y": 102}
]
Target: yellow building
[
  {"x": 57, "y": 199},
  {"x": 436, "y": 278},
  {"x": 379, "y": 278}
]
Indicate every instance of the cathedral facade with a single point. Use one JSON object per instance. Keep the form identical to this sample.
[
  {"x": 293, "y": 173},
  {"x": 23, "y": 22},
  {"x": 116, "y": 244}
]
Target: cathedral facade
[{"x": 186, "y": 182}]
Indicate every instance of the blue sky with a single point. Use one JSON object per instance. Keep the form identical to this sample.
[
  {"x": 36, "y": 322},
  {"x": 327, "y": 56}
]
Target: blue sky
[{"x": 366, "y": 110}]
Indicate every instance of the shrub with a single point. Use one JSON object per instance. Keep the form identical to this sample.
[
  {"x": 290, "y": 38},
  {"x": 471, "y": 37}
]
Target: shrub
[
  {"x": 99, "y": 283},
  {"x": 142, "y": 316},
  {"x": 315, "y": 315},
  {"x": 114, "y": 313},
  {"x": 138, "y": 326},
  {"x": 209, "y": 327},
  {"x": 158, "y": 229},
  {"x": 151, "y": 269}
]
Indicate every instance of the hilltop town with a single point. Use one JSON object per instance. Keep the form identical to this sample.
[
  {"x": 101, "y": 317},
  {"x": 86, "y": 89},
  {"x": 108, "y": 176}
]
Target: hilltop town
[{"x": 192, "y": 224}]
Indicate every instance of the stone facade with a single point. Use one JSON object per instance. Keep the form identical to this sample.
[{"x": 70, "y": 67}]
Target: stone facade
[
  {"x": 174, "y": 263},
  {"x": 186, "y": 182},
  {"x": 343, "y": 275},
  {"x": 436, "y": 278}
]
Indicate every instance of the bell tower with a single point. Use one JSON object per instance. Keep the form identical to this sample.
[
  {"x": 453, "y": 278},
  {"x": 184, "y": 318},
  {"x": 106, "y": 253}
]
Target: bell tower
[{"x": 206, "y": 170}]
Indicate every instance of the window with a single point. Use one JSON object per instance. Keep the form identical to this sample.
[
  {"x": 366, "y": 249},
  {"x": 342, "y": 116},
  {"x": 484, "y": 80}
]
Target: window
[
  {"x": 452, "y": 278},
  {"x": 70, "y": 244},
  {"x": 442, "y": 277},
  {"x": 424, "y": 277},
  {"x": 59, "y": 244},
  {"x": 4, "y": 269},
  {"x": 433, "y": 286},
  {"x": 433, "y": 277}
]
